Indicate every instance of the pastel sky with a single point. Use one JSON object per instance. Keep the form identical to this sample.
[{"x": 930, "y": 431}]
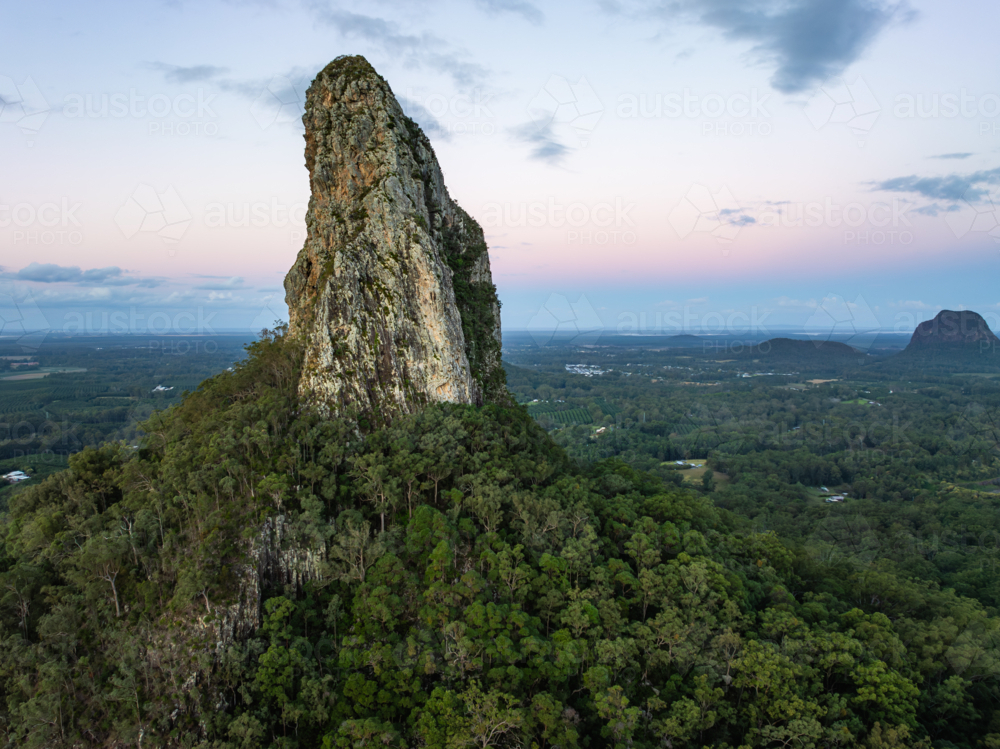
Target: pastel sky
[{"x": 636, "y": 164}]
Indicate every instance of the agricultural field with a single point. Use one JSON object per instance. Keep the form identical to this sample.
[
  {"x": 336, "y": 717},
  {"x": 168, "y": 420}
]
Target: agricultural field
[
  {"x": 38, "y": 373},
  {"x": 88, "y": 390},
  {"x": 546, "y": 412},
  {"x": 912, "y": 447}
]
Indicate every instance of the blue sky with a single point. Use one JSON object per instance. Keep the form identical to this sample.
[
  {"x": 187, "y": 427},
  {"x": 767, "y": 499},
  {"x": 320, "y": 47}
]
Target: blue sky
[{"x": 795, "y": 162}]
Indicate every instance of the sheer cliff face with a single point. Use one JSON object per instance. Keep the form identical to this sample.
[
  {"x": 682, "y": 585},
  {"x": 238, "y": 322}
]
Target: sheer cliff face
[{"x": 392, "y": 292}]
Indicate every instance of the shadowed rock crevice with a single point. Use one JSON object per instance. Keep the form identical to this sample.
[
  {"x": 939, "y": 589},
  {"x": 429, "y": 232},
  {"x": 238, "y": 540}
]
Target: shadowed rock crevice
[{"x": 392, "y": 293}]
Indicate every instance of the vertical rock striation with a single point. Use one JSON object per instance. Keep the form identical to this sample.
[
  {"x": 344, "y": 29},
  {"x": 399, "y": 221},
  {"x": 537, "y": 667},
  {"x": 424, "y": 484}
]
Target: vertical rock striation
[{"x": 392, "y": 292}]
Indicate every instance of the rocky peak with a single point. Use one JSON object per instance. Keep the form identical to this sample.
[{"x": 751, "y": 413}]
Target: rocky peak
[
  {"x": 392, "y": 293},
  {"x": 949, "y": 328}
]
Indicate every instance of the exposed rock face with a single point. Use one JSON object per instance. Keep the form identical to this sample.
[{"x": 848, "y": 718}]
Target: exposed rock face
[
  {"x": 277, "y": 558},
  {"x": 392, "y": 292},
  {"x": 280, "y": 558},
  {"x": 950, "y": 329}
]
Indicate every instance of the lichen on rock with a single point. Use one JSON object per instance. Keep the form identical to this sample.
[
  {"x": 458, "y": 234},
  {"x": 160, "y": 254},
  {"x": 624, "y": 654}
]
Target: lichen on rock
[{"x": 392, "y": 292}]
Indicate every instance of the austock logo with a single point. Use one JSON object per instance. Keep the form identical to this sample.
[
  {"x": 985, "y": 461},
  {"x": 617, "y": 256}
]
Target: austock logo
[
  {"x": 47, "y": 223},
  {"x": 452, "y": 114},
  {"x": 52, "y": 437},
  {"x": 738, "y": 114},
  {"x": 193, "y": 321},
  {"x": 182, "y": 114}
]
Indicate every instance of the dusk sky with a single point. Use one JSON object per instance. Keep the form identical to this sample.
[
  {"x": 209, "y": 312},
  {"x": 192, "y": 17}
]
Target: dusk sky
[{"x": 662, "y": 164}]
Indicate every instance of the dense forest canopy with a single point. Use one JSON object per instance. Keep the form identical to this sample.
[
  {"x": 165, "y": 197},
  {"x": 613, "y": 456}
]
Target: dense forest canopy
[
  {"x": 254, "y": 575},
  {"x": 914, "y": 449}
]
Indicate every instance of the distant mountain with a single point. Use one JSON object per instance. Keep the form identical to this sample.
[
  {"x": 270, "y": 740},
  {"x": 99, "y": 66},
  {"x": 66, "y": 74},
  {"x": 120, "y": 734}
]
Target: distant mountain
[
  {"x": 794, "y": 347},
  {"x": 950, "y": 329},
  {"x": 952, "y": 342},
  {"x": 789, "y": 354},
  {"x": 653, "y": 340}
]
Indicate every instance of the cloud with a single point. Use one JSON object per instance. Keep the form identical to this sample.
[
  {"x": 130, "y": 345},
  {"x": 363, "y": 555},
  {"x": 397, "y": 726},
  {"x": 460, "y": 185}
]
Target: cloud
[
  {"x": 935, "y": 209},
  {"x": 426, "y": 50},
  {"x": 180, "y": 74},
  {"x": 98, "y": 296},
  {"x": 223, "y": 297},
  {"x": 110, "y": 276},
  {"x": 950, "y": 187},
  {"x": 526, "y": 10},
  {"x": 291, "y": 83},
  {"x": 113, "y": 276},
  {"x": 784, "y": 301},
  {"x": 236, "y": 282},
  {"x": 561, "y": 111},
  {"x": 48, "y": 273},
  {"x": 739, "y": 217},
  {"x": 545, "y": 146},
  {"x": 806, "y": 41},
  {"x": 423, "y": 117},
  {"x": 179, "y": 296},
  {"x": 953, "y": 156}
]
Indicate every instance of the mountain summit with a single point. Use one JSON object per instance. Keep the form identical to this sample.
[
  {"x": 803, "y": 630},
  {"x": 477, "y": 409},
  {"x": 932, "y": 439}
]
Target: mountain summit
[
  {"x": 950, "y": 329},
  {"x": 392, "y": 293}
]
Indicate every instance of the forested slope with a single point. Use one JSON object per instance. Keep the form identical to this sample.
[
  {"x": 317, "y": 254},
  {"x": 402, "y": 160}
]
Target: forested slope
[{"x": 457, "y": 582}]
